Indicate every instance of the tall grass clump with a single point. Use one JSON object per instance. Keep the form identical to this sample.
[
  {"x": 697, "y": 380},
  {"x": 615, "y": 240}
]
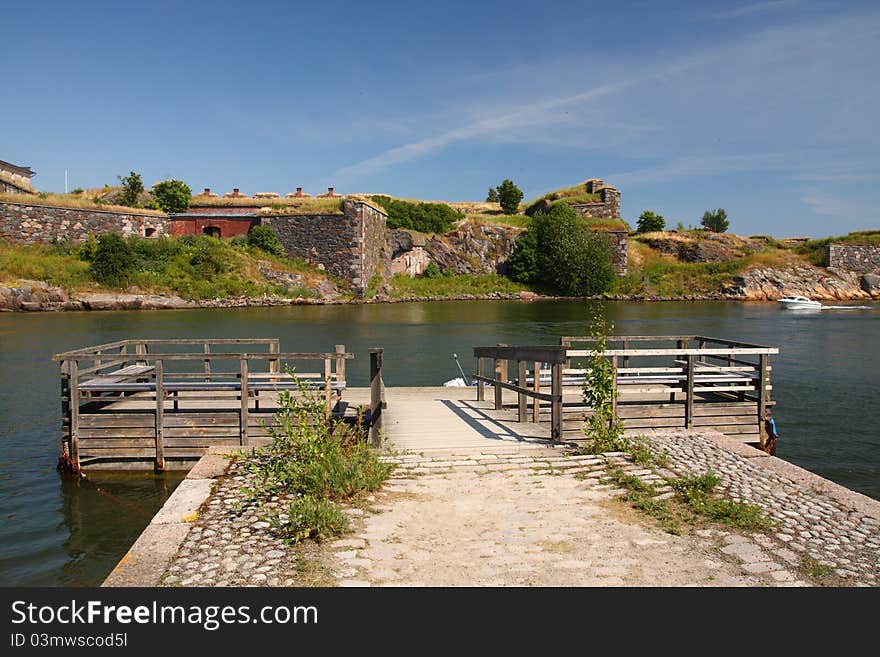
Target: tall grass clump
[{"x": 318, "y": 463}]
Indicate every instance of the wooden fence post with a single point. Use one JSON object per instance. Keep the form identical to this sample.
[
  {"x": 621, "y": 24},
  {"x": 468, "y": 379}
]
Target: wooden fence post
[
  {"x": 481, "y": 385},
  {"x": 73, "y": 436},
  {"x": 207, "y": 365},
  {"x": 536, "y": 403},
  {"x": 689, "y": 394},
  {"x": 763, "y": 397},
  {"x": 274, "y": 364},
  {"x": 498, "y": 389},
  {"x": 377, "y": 395},
  {"x": 556, "y": 408},
  {"x": 340, "y": 362},
  {"x": 521, "y": 382},
  {"x": 160, "y": 416},
  {"x": 243, "y": 417}
]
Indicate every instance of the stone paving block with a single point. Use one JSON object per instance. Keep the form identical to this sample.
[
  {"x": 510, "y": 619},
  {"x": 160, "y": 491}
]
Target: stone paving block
[{"x": 748, "y": 552}]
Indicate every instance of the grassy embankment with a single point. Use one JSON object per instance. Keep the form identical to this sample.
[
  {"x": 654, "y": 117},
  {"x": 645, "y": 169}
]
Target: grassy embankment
[
  {"x": 89, "y": 200},
  {"x": 194, "y": 268}
]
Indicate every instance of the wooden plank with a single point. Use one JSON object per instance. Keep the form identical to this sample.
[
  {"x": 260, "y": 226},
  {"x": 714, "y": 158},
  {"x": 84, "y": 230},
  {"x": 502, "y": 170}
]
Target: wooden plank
[
  {"x": 541, "y": 354},
  {"x": 110, "y": 420},
  {"x": 515, "y": 388},
  {"x": 148, "y": 452},
  {"x": 647, "y": 422},
  {"x": 724, "y": 420},
  {"x": 160, "y": 416},
  {"x": 675, "y": 352},
  {"x": 666, "y": 410},
  {"x": 243, "y": 419},
  {"x": 110, "y": 445}
]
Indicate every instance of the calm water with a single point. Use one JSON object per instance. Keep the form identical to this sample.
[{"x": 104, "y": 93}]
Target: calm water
[{"x": 55, "y": 531}]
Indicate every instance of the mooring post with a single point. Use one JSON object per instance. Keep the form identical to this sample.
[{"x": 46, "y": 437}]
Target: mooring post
[
  {"x": 243, "y": 417},
  {"x": 377, "y": 395},
  {"x": 73, "y": 386},
  {"x": 556, "y": 408},
  {"x": 689, "y": 394},
  {"x": 160, "y": 416},
  {"x": 521, "y": 383},
  {"x": 763, "y": 396}
]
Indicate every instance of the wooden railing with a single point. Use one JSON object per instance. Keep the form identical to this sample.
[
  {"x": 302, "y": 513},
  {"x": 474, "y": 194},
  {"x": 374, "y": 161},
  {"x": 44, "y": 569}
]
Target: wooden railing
[
  {"x": 692, "y": 367},
  {"x": 524, "y": 357},
  {"x": 106, "y": 374}
]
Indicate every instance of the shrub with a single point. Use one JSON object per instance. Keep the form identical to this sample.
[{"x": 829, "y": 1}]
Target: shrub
[
  {"x": 313, "y": 518},
  {"x": 171, "y": 195},
  {"x": 522, "y": 266},
  {"x": 492, "y": 196},
  {"x": 423, "y": 217},
  {"x": 153, "y": 254},
  {"x": 572, "y": 259},
  {"x": 715, "y": 221},
  {"x": 432, "y": 270},
  {"x": 603, "y": 427},
  {"x": 87, "y": 249},
  {"x": 264, "y": 238},
  {"x": 509, "y": 196},
  {"x": 650, "y": 222},
  {"x": 113, "y": 261},
  {"x": 132, "y": 187}
]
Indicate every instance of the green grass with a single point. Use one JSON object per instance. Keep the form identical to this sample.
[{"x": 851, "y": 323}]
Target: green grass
[
  {"x": 814, "y": 250},
  {"x": 78, "y": 201},
  {"x": 814, "y": 569},
  {"x": 42, "y": 263},
  {"x": 446, "y": 286},
  {"x": 194, "y": 268},
  {"x": 695, "y": 499},
  {"x": 513, "y": 220}
]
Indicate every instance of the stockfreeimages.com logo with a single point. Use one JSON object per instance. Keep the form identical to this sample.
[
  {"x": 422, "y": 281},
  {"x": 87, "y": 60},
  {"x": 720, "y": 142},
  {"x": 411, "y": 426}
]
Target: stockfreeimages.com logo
[{"x": 210, "y": 617}]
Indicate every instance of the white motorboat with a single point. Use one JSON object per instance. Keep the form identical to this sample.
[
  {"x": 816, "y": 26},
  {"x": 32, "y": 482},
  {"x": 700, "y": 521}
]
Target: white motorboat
[{"x": 797, "y": 302}]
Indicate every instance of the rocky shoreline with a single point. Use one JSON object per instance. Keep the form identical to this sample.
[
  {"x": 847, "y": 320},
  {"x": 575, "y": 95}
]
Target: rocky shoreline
[{"x": 753, "y": 285}]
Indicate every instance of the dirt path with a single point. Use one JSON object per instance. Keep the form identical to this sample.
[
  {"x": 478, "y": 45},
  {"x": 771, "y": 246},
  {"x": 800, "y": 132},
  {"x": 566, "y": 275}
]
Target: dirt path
[{"x": 489, "y": 519}]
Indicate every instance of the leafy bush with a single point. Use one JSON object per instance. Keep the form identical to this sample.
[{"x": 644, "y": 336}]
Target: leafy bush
[
  {"x": 715, "y": 221},
  {"x": 319, "y": 463},
  {"x": 171, "y": 195},
  {"x": 572, "y": 259},
  {"x": 132, "y": 187},
  {"x": 650, "y": 222},
  {"x": 87, "y": 249},
  {"x": 423, "y": 217},
  {"x": 509, "y": 196},
  {"x": 522, "y": 265},
  {"x": 264, "y": 238},
  {"x": 603, "y": 427},
  {"x": 432, "y": 270},
  {"x": 113, "y": 261},
  {"x": 153, "y": 254}
]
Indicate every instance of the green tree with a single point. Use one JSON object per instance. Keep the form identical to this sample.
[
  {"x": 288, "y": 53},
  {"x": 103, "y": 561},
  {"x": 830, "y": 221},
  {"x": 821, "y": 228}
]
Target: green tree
[
  {"x": 265, "y": 238},
  {"x": 172, "y": 195},
  {"x": 650, "y": 222},
  {"x": 522, "y": 265},
  {"x": 113, "y": 261},
  {"x": 509, "y": 196},
  {"x": 132, "y": 187},
  {"x": 572, "y": 259},
  {"x": 423, "y": 217},
  {"x": 492, "y": 196},
  {"x": 715, "y": 221}
]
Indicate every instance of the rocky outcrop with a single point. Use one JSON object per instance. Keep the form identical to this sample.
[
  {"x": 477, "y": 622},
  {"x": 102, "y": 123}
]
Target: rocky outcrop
[
  {"x": 133, "y": 302},
  {"x": 297, "y": 283},
  {"x": 766, "y": 284},
  {"x": 33, "y": 296},
  {"x": 710, "y": 247},
  {"x": 871, "y": 284},
  {"x": 473, "y": 249}
]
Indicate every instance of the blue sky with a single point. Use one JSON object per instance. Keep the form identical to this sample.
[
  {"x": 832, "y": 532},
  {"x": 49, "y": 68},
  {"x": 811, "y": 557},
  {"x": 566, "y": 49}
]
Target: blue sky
[{"x": 768, "y": 109}]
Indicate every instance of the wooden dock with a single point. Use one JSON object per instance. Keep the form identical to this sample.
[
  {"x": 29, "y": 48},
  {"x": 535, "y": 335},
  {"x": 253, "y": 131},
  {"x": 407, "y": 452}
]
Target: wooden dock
[{"x": 136, "y": 404}]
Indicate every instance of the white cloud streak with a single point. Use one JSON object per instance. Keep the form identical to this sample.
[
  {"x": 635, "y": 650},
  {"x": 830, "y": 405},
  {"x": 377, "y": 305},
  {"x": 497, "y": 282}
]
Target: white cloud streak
[{"x": 755, "y": 8}]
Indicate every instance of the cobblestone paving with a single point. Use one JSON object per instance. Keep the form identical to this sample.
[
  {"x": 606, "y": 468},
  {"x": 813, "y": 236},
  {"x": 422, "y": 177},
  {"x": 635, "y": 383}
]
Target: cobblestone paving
[
  {"x": 520, "y": 516},
  {"x": 810, "y": 525}
]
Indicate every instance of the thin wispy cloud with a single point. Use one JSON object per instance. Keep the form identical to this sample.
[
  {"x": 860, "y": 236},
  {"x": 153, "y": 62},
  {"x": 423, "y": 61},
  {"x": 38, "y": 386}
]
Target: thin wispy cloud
[{"x": 755, "y": 8}]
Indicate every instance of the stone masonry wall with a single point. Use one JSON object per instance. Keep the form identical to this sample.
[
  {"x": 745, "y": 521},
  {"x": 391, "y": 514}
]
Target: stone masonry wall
[
  {"x": 351, "y": 245},
  {"x": 858, "y": 258},
  {"x": 618, "y": 250},
  {"x": 33, "y": 223},
  {"x": 7, "y": 187},
  {"x": 607, "y": 208}
]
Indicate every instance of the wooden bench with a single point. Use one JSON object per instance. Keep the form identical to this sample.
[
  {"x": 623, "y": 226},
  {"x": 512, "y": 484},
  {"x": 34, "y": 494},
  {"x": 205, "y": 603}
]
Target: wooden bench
[{"x": 99, "y": 383}]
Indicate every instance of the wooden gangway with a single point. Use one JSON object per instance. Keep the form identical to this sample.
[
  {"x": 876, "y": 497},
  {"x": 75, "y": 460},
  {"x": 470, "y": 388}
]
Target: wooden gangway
[
  {"x": 162, "y": 403},
  {"x": 662, "y": 382}
]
